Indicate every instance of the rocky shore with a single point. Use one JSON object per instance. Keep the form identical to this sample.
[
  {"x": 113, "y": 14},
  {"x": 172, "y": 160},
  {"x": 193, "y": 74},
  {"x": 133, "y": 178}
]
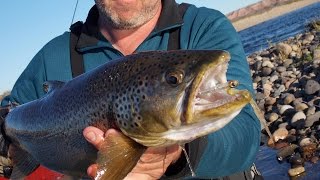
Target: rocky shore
[{"x": 286, "y": 77}]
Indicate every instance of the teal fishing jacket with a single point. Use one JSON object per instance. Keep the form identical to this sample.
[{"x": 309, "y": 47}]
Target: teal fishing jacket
[{"x": 227, "y": 151}]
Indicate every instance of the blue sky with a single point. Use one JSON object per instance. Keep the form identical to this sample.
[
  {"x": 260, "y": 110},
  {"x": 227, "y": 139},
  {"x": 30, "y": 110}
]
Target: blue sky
[{"x": 28, "y": 25}]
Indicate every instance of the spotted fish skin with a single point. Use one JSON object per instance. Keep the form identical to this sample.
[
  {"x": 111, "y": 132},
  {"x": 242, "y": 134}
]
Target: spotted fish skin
[{"x": 144, "y": 95}]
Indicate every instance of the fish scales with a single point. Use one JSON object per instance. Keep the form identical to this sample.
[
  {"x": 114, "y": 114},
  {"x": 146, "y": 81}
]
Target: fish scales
[{"x": 152, "y": 97}]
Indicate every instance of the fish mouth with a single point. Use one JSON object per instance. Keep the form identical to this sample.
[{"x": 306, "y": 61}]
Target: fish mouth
[{"x": 212, "y": 103}]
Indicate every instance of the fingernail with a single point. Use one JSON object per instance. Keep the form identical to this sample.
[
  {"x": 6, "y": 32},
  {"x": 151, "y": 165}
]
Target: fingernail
[{"x": 91, "y": 136}]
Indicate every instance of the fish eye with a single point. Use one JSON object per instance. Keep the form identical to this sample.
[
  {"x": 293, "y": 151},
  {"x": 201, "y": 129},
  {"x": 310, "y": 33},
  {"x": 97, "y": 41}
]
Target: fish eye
[
  {"x": 175, "y": 77},
  {"x": 233, "y": 83}
]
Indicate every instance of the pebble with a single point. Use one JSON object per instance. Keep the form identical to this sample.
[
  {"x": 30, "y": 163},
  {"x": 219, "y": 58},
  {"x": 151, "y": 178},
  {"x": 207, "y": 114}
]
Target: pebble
[
  {"x": 296, "y": 171},
  {"x": 284, "y": 48},
  {"x": 270, "y": 101},
  {"x": 316, "y": 54},
  {"x": 312, "y": 119},
  {"x": 267, "y": 64},
  {"x": 285, "y": 152},
  {"x": 274, "y": 78},
  {"x": 287, "y": 63},
  {"x": 285, "y": 108},
  {"x": 311, "y": 87},
  {"x": 289, "y": 99},
  {"x": 296, "y": 161},
  {"x": 309, "y": 37},
  {"x": 266, "y": 71},
  {"x": 283, "y": 125},
  {"x": 298, "y": 116},
  {"x": 301, "y": 106},
  {"x": 305, "y": 142},
  {"x": 280, "y": 133},
  {"x": 281, "y": 69}
]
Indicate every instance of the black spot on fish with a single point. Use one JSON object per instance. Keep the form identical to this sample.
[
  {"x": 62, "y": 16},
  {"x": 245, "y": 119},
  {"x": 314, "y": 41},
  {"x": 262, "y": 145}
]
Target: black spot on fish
[{"x": 136, "y": 124}]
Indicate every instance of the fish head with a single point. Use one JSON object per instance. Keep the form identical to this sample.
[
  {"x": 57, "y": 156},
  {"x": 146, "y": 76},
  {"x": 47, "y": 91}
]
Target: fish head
[{"x": 177, "y": 96}]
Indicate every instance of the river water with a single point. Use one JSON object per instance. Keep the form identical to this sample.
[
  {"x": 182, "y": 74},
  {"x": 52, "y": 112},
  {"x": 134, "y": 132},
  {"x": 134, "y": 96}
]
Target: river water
[{"x": 258, "y": 37}]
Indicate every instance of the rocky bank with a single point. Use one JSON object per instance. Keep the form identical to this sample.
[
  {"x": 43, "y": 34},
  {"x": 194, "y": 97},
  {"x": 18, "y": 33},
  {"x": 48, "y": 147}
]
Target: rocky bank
[{"x": 286, "y": 77}]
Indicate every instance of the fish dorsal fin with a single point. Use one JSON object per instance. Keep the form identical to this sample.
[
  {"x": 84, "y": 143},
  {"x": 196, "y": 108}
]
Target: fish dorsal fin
[
  {"x": 49, "y": 86},
  {"x": 23, "y": 163},
  {"x": 117, "y": 157}
]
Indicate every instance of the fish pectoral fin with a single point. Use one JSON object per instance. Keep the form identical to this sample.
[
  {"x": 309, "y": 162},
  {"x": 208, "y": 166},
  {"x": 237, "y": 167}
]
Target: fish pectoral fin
[
  {"x": 49, "y": 86},
  {"x": 23, "y": 163},
  {"x": 117, "y": 157}
]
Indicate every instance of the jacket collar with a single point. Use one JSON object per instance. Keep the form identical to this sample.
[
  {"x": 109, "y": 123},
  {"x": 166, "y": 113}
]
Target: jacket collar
[{"x": 90, "y": 35}]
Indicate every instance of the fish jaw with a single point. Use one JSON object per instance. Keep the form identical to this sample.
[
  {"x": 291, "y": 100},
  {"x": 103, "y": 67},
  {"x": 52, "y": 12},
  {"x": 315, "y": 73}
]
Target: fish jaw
[{"x": 209, "y": 118}]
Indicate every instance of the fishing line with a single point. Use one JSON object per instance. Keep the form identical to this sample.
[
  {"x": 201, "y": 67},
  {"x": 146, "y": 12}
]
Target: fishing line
[
  {"x": 74, "y": 12},
  {"x": 188, "y": 161}
]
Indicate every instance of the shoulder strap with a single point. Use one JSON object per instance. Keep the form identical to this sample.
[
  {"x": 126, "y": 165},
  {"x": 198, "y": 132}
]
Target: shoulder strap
[
  {"x": 76, "y": 58},
  {"x": 174, "y": 36}
]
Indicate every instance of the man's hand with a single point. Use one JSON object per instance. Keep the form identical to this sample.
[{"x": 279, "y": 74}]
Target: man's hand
[{"x": 152, "y": 164}]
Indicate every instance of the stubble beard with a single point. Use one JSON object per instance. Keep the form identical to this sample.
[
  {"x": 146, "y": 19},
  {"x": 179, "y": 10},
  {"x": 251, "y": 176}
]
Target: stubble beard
[{"x": 109, "y": 17}]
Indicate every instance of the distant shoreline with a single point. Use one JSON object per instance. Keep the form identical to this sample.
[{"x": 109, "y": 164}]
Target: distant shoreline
[{"x": 272, "y": 13}]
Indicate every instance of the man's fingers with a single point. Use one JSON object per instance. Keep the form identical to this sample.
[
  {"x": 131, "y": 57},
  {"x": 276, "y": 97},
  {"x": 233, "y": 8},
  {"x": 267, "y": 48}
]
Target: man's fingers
[{"x": 94, "y": 135}]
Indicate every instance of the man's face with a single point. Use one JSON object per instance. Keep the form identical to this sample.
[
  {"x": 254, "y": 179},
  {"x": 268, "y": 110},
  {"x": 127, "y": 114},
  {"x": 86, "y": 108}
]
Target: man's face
[{"x": 127, "y": 14}]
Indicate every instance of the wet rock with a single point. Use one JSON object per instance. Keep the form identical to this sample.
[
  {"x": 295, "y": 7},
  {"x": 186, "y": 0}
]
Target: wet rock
[
  {"x": 296, "y": 161},
  {"x": 281, "y": 144},
  {"x": 285, "y": 152},
  {"x": 272, "y": 117},
  {"x": 314, "y": 159},
  {"x": 280, "y": 133},
  {"x": 311, "y": 87},
  {"x": 296, "y": 171},
  {"x": 305, "y": 142},
  {"x": 308, "y": 151},
  {"x": 291, "y": 139}
]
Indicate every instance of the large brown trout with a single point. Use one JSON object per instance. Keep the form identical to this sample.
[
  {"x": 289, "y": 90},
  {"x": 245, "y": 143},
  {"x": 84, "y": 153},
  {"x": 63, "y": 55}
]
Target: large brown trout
[{"x": 155, "y": 99}]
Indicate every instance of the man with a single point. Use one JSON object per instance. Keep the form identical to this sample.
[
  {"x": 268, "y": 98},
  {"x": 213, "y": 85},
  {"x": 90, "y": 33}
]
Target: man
[{"x": 116, "y": 28}]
